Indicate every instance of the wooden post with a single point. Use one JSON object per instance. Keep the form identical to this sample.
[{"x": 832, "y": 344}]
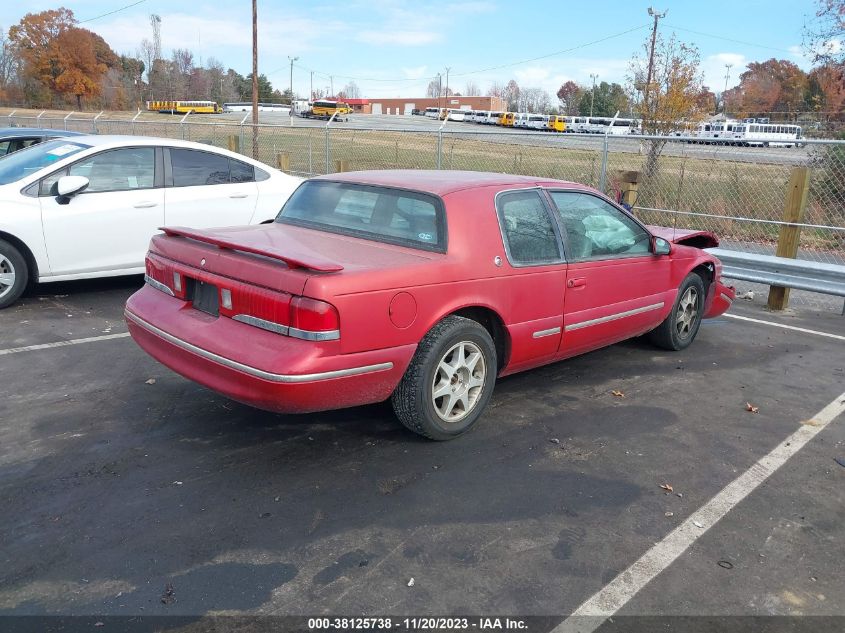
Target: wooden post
[
  {"x": 793, "y": 211},
  {"x": 341, "y": 166},
  {"x": 283, "y": 161},
  {"x": 234, "y": 143},
  {"x": 629, "y": 183}
]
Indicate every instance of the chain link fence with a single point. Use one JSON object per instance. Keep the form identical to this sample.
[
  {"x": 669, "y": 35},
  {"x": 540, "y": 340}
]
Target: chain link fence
[{"x": 737, "y": 192}]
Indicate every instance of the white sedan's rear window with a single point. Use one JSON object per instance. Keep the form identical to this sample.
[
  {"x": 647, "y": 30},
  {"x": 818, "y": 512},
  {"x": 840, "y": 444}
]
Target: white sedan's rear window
[{"x": 384, "y": 214}]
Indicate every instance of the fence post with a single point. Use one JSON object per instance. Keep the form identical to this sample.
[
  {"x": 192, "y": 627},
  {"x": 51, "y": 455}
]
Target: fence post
[
  {"x": 788, "y": 237},
  {"x": 94, "y": 122},
  {"x": 603, "y": 177},
  {"x": 328, "y": 151},
  {"x": 283, "y": 161},
  {"x": 67, "y": 117},
  {"x": 234, "y": 143},
  {"x": 439, "y": 148},
  {"x": 341, "y": 165}
]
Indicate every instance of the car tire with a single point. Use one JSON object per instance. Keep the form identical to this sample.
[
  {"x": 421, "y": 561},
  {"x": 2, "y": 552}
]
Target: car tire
[
  {"x": 679, "y": 329},
  {"x": 14, "y": 274},
  {"x": 467, "y": 349}
]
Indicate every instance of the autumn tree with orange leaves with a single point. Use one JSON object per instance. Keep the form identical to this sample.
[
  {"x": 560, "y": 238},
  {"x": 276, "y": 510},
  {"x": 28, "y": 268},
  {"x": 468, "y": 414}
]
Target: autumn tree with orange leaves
[
  {"x": 57, "y": 55},
  {"x": 675, "y": 96}
]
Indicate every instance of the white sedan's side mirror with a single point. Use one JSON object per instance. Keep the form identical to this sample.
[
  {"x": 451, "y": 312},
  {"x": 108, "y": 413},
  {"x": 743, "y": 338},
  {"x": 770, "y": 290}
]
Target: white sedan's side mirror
[{"x": 68, "y": 186}]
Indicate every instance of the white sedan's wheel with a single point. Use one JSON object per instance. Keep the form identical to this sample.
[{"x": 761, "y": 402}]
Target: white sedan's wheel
[
  {"x": 7, "y": 276},
  {"x": 14, "y": 274}
]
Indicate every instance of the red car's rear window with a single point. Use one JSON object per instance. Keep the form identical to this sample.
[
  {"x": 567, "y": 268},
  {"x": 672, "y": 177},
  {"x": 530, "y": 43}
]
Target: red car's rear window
[{"x": 385, "y": 214}]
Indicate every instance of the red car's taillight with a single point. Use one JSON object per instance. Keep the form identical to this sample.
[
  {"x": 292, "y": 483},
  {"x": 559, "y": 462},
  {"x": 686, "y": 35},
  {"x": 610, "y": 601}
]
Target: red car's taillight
[
  {"x": 161, "y": 276},
  {"x": 313, "y": 320}
]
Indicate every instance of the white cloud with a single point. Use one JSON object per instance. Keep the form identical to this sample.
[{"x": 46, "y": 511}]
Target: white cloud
[
  {"x": 212, "y": 35},
  {"x": 399, "y": 38}
]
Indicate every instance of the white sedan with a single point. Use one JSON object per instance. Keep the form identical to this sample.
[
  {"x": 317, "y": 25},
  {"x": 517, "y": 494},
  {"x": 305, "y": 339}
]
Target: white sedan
[{"x": 87, "y": 206}]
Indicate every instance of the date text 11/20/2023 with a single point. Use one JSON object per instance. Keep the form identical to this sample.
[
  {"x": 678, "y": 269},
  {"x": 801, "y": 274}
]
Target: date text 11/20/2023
[{"x": 417, "y": 623}]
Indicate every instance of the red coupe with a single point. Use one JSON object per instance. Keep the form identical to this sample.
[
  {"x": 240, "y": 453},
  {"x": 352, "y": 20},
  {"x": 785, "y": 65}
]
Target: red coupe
[{"x": 418, "y": 286}]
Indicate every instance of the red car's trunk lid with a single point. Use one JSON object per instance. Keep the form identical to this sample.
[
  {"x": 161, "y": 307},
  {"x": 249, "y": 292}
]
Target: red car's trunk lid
[
  {"x": 279, "y": 257},
  {"x": 248, "y": 240}
]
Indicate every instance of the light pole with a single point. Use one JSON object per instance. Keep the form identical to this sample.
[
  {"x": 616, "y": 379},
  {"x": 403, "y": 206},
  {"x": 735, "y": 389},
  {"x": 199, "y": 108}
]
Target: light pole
[
  {"x": 593, "y": 93},
  {"x": 255, "y": 78},
  {"x": 292, "y": 60},
  {"x": 724, "y": 96},
  {"x": 446, "y": 94}
]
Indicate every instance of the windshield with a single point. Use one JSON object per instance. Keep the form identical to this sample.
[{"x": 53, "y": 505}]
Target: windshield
[
  {"x": 383, "y": 214},
  {"x": 27, "y": 161}
]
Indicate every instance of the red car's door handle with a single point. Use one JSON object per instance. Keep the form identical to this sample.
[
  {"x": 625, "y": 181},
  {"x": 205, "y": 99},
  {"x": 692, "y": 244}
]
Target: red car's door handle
[{"x": 580, "y": 282}]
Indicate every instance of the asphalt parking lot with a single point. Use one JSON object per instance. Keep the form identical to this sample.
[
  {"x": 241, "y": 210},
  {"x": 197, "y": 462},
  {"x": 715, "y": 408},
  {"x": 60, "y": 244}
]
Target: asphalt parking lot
[{"x": 128, "y": 490}]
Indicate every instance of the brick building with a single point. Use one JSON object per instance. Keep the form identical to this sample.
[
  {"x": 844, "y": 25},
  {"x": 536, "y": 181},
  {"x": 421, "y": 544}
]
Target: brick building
[{"x": 406, "y": 105}]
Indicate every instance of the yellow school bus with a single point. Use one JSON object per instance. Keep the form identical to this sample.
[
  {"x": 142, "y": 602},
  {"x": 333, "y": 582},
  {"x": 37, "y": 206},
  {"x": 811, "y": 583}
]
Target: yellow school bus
[
  {"x": 506, "y": 119},
  {"x": 325, "y": 109},
  {"x": 557, "y": 123},
  {"x": 173, "y": 107}
]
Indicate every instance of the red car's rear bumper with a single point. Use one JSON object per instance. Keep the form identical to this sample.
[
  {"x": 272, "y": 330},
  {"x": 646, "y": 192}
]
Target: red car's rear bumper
[{"x": 259, "y": 368}]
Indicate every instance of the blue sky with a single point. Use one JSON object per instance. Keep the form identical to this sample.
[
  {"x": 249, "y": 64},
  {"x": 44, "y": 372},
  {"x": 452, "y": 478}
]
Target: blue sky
[{"x": 394, "y": 48}]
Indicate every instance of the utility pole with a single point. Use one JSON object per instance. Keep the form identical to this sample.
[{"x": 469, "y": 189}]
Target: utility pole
[
  {"x": 593, "y": 95},
  {"x": 724, "y": 97},
  {"x": 255, "y": 79},
  {"x": 446, "y": 94},
  {"x": 331, "y": 79},
  {"x": 292, "y": 60},
  {"x": 311, "y": 94},
  {"x": 439, "y": 90},
  {"x": 656, "y": 17}
]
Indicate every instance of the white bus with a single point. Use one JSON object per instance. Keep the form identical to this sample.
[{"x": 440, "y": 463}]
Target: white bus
[
  {"x": 246, "y": 106},
  {"x": 432, "y": 113},
  {"x": 491, "y": 118},
  {"x": 762, "y": 133},
  {"x": 576, "y": 124},
  {"x": 457, "y": 115},
  {"x": 537, "y": 122},
  {"x": 479, "y": 116},
  {"x": 602, "y": 125}
]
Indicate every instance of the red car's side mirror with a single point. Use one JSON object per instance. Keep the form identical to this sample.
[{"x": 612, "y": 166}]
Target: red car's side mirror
[{"x": 659, "y": 246}]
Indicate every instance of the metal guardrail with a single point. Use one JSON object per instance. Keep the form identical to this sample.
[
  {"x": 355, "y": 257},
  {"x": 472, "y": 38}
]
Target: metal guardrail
[{"x": 782, "y": 271}]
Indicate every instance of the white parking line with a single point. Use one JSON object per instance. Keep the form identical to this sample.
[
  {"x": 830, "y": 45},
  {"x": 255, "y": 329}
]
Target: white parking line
[
  {"x": 75, "y": 341},
  {"x": 592, "y": 613},
  {"x": 785, "y": 327}
]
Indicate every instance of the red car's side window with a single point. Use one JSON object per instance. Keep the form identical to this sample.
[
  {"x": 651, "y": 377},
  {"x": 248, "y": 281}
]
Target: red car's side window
[
  {"x": 596, "y": 230},
  {"x": 528, "y": 228}
]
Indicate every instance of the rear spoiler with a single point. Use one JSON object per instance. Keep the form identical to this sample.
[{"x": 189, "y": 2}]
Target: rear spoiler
[{"x": 296, "y": 260}]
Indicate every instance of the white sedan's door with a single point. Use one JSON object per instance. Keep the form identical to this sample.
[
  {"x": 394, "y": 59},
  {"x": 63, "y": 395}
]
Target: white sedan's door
[
  {"x": 108, "y": 226},
  {"x": 208, "y": 190}
]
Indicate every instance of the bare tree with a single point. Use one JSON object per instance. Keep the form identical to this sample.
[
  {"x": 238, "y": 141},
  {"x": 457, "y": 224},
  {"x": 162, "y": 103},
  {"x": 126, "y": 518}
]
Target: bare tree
[
  {"x": 673, "y": 95},
  {"x": 433, "y": 89},
  {"x": 8, "y": 62},
  {"x": 535, "y": 100},
  {"x": 351, "y": 91},
  {"x": 472, "y": 89}
]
